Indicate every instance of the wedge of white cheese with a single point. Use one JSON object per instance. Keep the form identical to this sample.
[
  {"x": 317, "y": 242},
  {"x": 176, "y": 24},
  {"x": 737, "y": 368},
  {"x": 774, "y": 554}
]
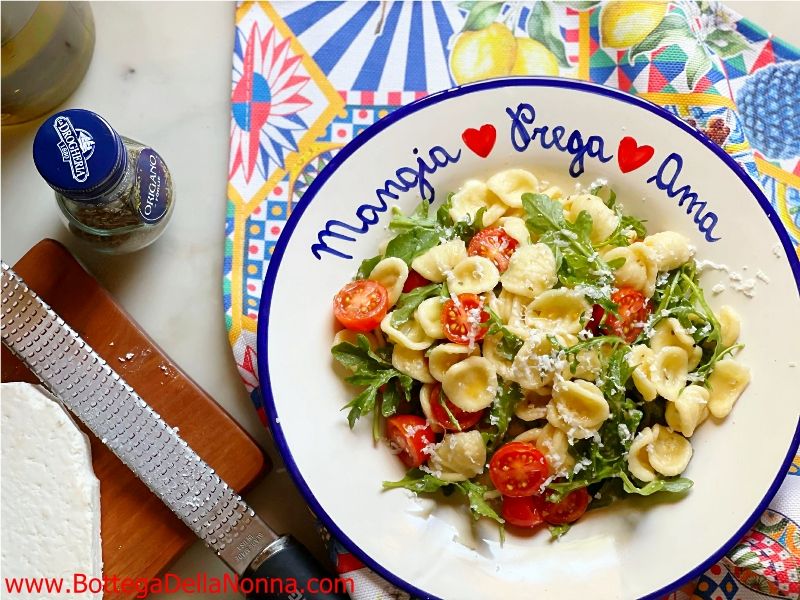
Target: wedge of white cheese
[{"x": 50, "y": 495}]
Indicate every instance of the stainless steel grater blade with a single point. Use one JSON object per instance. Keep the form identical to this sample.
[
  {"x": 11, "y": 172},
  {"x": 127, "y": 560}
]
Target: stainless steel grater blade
[{"x": 115, "y": 413}]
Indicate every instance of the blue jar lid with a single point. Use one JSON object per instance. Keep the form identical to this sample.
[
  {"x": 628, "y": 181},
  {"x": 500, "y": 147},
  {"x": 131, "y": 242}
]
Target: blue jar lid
[{"x": 79, "y": 154}]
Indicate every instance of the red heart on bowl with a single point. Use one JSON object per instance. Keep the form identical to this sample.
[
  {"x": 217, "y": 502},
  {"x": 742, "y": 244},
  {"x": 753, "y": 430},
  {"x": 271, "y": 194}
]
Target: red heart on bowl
[
  {"x": 631, "y": 155},
  {"x": 480, "y": 141}
]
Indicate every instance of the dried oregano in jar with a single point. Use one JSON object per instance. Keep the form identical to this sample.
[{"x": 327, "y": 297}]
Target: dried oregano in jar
[{"x": 114, "y": 193}]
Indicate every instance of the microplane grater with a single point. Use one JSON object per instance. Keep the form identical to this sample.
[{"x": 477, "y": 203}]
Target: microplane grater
[{"x": 147, "y": 445}]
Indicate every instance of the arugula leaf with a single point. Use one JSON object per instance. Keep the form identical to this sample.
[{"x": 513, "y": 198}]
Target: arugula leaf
[
  {"x": 417, "y": 481},
  {"x": 675, "y": 485},
  {"x": 419, "y": 218},
  {"x": 409, "y": 302},
  {"x": 371, "y": 371},
  {"x": 501, "y": 411},
  {"x": 681, "y": 296},
  {"x": 359, "y": 356},
  {"x": 544, "y": 214},
  {"x": 510, "y": 343},
  {"x": 367, "y": 266},
  {"x": 450, "y": 416},
  {"x": 418, "y": 232},
  {"x": 420, "y": 482},
  {"x": 577, "y": 261},
  {"x": 556, "y": 531},
  {"x": 466, "y": 230},
  {"x": 621, "y": 235},
  {"x": 477, "y": 502},
  {"x": 409, "y": 245},
  {"x": 606, "y": 193},
  {"x": 443, "y": 213}
]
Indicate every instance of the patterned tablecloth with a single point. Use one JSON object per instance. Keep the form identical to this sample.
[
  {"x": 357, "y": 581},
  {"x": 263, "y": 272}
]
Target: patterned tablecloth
[{"x": 308, "y": 77}]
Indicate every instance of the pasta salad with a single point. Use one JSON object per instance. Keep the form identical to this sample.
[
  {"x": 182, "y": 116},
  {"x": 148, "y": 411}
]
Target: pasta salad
[{"x": 538, "y": 353}]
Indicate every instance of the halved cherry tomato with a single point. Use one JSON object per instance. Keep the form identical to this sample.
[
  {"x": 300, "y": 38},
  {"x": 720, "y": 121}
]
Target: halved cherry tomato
[
  {"x": 518, "y": 469},
  {"x": 464, "y": 321},
  {"x": 465, "y": 419},
  {"x": 361, "y": 305},
  {"x": 634, "y": 310},
  {"x": 523, "y": 511},
  {"x": 569, "y": 510},
  {"x": 593, "y": 324},
  {"x": 409, "y": 435},
  {"x": 414, "y": 281},
  {"x": 495, "y": 244}
]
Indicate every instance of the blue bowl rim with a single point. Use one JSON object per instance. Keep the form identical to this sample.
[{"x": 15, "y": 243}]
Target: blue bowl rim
[{"x": 387, "y": 121}]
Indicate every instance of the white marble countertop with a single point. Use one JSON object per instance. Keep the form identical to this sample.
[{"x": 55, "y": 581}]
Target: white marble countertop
[{"x": 161, "y": 74}]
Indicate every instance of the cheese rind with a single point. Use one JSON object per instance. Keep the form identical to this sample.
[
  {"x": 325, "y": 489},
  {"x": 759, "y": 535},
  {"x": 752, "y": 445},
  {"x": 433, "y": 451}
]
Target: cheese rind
[{"x": 51, "y": 497}]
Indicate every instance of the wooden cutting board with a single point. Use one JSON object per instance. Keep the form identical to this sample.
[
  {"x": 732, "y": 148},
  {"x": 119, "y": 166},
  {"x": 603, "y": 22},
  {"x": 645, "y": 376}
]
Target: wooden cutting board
[{"x": 140, "y": 535}]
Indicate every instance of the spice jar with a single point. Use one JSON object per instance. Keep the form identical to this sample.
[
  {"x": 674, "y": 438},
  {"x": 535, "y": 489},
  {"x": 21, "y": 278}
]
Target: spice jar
[{"x": 114, "y": 193}]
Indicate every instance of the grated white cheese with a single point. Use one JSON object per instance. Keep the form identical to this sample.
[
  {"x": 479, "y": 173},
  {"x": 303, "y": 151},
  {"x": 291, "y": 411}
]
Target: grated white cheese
[{"x": 718, "y": 289}]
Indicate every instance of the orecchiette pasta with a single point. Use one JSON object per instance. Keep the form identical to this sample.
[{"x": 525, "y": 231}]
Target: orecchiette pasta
[
  {"x": 671, "y": 249},
  {"x": 434, "y": 264},
  {"x": 410, "y": 334},
  {"x": 429, "y": 317},
  {"x": 531, "y": 271},
  {"x": 473, "y": 196},
  {"x": 502, "y": 366},
  {"x": 604, "y": 220},
  {"x": 391, "y": 273},
  {"x": 688, "y": 410},
  {"x": 730, "y": 324},
  {"x": 670, "y": 370},
  {"x": 642, "y": 358},
  {"x": 726, "y": 383},
  {"x": 412, "y": 363},
  {"x": 589, "y": 365},
  {"x": 459, "y": 456},
  {"x": 578, "y": 408},
  {"x": 516, "y": 228},
  {"x": 658, "y": 450},
  {"x": 425, "y": 403},
  {"x": 444, "y": 356},
  {"x": 670, "y": 332},
  {"x": 530, "y": 436},
  {"x": 558, "y": 310},
  {"x": 669, "y": 452},
  {"x": 553, "y": 191},
  {"x": 554, "y": 444},
  {"x": 510, "y": 308},
  {"x": 532, "y": 406},
  {"x": 510, "y": 185},
  {"x": 534, "y": 367},
  {"x": 639, "y": 270},
  {"x": 473, "y": 275},
  {"x": 638, "y": 460},
  {"x": 471, "y": 384}
]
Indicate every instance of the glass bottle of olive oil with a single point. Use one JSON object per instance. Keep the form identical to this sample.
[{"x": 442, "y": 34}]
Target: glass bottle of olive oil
[{"x": 46, "y": 50}]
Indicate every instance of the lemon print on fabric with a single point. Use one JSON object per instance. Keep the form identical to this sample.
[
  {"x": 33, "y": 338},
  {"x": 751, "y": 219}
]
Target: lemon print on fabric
[
  {"x": 625, "y": 23},
  {"x": 533, "y": 58},
  {"x": 481, "y": 54}
]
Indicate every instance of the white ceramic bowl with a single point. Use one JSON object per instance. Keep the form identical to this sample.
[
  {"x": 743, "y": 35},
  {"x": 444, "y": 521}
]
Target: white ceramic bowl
[{"x": 633, "y": 549}]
